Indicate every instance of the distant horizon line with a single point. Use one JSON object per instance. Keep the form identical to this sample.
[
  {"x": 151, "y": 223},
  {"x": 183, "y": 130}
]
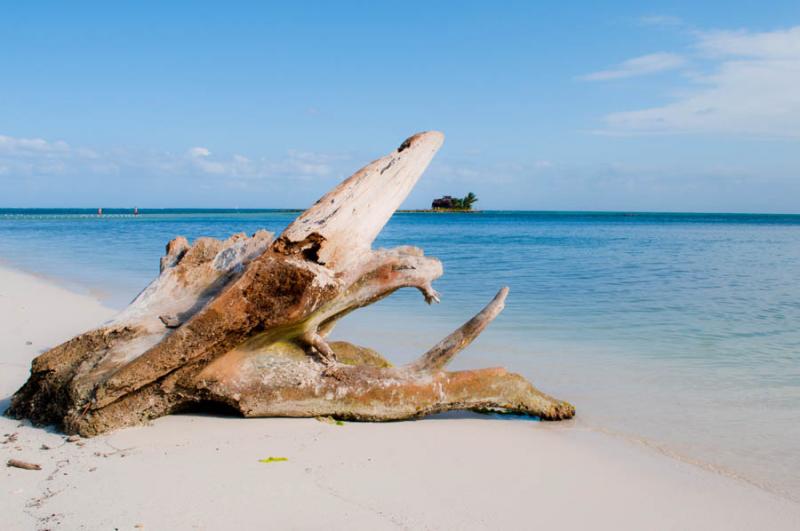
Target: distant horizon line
[{"x": 144, "y": 210}]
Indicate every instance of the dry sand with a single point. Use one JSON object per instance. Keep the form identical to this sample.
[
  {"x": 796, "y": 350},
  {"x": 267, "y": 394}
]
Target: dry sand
[{"x": 456, "y": 472}]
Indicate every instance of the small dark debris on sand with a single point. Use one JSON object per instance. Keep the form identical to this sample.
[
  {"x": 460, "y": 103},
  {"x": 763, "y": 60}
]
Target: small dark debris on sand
[{"x": 16, "y": 463}]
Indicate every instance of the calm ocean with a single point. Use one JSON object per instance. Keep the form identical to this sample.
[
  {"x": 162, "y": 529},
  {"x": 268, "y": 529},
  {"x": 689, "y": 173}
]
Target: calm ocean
[{"x": 679, "y": 330}]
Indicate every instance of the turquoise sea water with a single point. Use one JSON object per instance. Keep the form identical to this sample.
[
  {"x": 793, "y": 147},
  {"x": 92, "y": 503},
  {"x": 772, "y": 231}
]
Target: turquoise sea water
[{"x": 680, "y": 330}]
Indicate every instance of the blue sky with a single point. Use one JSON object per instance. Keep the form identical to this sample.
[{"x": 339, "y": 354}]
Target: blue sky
[{"x": 679, "y": 106}]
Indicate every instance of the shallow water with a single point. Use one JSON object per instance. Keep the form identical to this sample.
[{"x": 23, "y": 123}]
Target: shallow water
[{"x": 679, "y": 329}]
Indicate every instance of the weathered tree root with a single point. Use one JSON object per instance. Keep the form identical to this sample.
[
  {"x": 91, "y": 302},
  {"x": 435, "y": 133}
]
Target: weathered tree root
[{"x": 243, "y": 322}]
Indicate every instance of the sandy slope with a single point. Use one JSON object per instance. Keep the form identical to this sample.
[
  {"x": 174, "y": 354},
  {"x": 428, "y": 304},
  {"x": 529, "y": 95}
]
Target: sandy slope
[{"x": 203, "y": 472}]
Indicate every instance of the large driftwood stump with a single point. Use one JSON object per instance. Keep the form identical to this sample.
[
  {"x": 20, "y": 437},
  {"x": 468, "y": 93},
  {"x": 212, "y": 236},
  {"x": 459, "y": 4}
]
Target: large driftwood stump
[{"x": 243, "y": 322}]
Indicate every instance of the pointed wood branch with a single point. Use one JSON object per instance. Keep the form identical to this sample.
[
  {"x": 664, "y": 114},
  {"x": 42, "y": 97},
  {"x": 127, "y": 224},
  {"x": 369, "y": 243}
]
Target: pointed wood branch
[
  {"x": 340, "y": 228},
  {"x": 444, "y": 351}
]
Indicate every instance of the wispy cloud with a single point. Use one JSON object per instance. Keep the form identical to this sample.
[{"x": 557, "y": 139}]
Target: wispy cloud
[
  {"x": 750, "y": 87},
  {"x": 22, "y": 157},
  {"x": 38, "y": 147},
  {"x": 780, "y": 44},
  {"x": 25, "y": 156},
  {"x": 639, "y": 66},
  {"x": 30, "y": 146}
]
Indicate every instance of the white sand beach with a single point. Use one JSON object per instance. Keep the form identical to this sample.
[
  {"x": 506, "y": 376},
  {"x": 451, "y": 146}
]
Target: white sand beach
[{"x": 449, "y": 472}]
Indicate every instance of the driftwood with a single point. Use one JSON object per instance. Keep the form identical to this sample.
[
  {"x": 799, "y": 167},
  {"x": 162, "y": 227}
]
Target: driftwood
[
  {"x": 16, "y": 463},
  {"x": 243, "y": 322}
]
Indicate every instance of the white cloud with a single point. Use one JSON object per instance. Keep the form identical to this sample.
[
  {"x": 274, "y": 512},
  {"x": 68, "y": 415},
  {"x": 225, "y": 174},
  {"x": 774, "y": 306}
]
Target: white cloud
[
  {"x": 773, "y": 45},
  {"x": 25, "y": 156},
  {"x": 35, "y": 147},
  {"x": 198, "y": 152},
  {"x": 639, "y": 66},
  {"x": 22, "y": 157},
  {"x": 750, "y": 88},
  {"x": 200, "y": 159}
]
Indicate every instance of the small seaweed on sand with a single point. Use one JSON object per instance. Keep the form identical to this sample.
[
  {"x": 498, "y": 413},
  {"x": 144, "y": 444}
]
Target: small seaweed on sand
[
  {"x": 330, "y": 420},
  {"x": 273, "y": 459}
]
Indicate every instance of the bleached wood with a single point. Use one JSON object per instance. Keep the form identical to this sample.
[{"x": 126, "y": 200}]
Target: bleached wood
[
  {"x": 350, "y": 216},
  {"x": 444, "y": 351}
]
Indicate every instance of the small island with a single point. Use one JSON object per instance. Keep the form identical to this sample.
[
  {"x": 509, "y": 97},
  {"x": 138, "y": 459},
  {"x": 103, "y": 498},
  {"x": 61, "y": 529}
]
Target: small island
[
  {"x": 455, "y": 204},
  {"x": 449, "y": 203}
]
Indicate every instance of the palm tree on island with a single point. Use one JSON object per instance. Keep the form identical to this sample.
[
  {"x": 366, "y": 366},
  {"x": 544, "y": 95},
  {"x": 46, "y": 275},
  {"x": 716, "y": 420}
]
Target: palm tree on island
[{"x": 454, "y": 203}]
